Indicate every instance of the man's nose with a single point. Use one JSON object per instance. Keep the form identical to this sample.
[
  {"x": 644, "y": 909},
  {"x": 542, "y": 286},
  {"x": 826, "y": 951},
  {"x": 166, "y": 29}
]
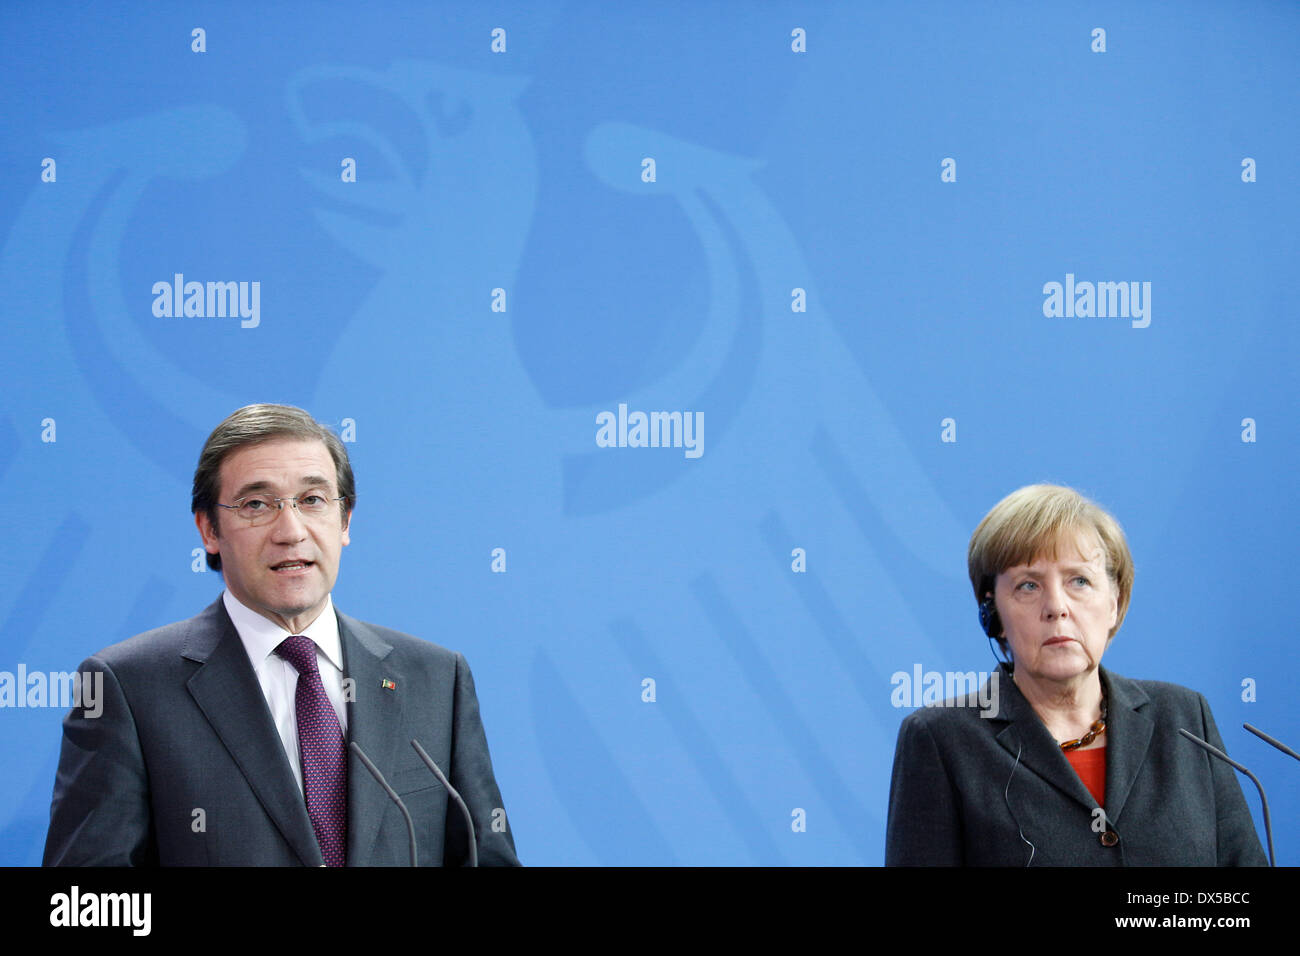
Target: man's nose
[{"x": 289, "y": 524}]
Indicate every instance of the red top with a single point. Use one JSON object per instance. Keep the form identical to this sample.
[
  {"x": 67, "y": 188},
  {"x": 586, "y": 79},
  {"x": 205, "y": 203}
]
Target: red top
[{"x": 1090, "y": 765}]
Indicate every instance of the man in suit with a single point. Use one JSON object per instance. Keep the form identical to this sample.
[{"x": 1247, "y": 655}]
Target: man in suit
[{"x": 223, "y": 739}]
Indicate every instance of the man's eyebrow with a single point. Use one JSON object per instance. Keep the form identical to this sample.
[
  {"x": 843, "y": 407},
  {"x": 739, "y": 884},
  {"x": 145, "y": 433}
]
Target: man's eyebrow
[
  {"x": 252, "y": 488},
  {"x": 257, "y": 487}
]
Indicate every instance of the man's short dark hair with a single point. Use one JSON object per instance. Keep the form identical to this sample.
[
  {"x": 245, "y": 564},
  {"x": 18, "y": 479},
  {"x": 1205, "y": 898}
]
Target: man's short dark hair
[{"x": 253, "y": 425}]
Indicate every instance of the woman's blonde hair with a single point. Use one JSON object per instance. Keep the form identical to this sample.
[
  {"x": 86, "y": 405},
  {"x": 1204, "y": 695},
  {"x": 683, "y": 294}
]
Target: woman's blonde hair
[{"x": 1035, "y": 522}]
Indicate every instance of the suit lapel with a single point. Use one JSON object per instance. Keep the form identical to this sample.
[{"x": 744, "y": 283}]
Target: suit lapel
[
  {"x": 374, "y": 714},
  {"x": 226, "y": 691},
  {"x": 1128, "y": 736},
  {"x": 1027, "y": 735}
]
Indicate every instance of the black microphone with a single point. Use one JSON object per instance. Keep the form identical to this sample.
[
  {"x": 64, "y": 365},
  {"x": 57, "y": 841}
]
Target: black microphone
[
  {"x": 1268, "y": 824},
  {"x": 1270, "y": 740},
  {"x": 392, "y": 795},
  {"x": 469, "y": 821}
]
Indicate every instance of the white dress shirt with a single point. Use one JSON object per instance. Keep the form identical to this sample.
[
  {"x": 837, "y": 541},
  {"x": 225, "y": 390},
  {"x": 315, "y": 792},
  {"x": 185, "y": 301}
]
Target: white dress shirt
[{"x": 278, "y": 677}]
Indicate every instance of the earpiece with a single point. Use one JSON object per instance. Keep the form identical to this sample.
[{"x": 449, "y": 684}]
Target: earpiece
[
  {"x": 992, "y": 625},
  {"x": 989, "y": 619}
]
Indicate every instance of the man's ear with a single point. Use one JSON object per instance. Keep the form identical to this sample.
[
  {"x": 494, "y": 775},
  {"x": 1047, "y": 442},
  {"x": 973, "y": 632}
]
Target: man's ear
[
  {"x": 207, "y": 532},
  {"x": 347, "y": 526}
]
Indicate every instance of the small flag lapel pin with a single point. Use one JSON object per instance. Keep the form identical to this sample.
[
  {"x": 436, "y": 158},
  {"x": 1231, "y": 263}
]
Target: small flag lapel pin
[{"x": 388, "y": 685}]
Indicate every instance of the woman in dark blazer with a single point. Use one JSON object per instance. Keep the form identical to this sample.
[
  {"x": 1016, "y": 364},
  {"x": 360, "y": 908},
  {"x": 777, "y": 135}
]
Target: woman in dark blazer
[{"x": 1057, "y": 761}]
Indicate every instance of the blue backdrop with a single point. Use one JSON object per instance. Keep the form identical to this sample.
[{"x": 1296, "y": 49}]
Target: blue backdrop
[{"x": 827, "y": 231}]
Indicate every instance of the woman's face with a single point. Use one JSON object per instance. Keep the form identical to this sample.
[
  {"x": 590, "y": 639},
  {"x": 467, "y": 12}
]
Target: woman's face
[{"x": 1057, "y": 614}]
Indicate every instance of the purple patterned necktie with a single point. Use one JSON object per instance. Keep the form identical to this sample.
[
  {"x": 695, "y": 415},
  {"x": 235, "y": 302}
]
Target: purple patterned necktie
[{"x": 324, "y": 757}]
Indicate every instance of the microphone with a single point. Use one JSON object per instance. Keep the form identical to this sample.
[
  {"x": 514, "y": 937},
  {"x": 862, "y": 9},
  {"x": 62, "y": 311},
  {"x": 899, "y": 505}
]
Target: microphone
[
  {"x": 392, "y": 795},
  {"x": 1268, "y": 824},
  {"x": 1270, "y": 740},
  {"x": 469, "y": 821}
]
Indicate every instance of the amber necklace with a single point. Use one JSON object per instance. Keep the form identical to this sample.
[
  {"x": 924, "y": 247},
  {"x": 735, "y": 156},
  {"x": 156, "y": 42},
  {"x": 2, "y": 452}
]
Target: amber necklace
[{"x": 1096, "y": 730}]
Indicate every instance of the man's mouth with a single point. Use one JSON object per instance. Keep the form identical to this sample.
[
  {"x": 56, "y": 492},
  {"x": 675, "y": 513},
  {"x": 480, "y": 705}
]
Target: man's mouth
[{"x": 291, "y": 566}]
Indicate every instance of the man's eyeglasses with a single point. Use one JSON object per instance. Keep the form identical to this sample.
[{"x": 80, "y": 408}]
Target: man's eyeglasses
[{"x": 263, "y": 509}]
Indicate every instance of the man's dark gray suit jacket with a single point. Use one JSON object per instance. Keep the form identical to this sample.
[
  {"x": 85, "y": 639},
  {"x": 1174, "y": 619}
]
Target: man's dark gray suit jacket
[
  {"x": 966, "y": 787},
  {"x": 184, "y": 766}
]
